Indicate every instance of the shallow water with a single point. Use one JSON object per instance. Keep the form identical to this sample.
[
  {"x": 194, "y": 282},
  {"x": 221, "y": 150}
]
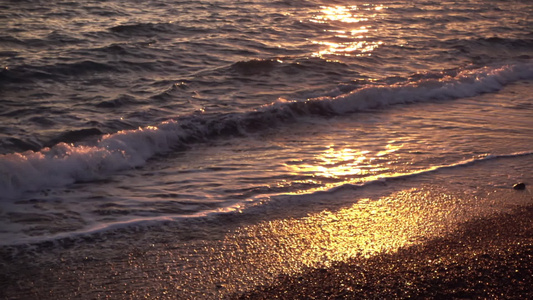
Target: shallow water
[
  {"x": 217, "y": 256},
  {"x": 114, "y": 114}
]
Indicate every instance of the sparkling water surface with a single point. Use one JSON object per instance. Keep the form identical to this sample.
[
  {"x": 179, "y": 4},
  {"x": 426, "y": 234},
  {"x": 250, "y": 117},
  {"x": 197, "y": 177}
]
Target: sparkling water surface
[{"x": 116, "y": 112}]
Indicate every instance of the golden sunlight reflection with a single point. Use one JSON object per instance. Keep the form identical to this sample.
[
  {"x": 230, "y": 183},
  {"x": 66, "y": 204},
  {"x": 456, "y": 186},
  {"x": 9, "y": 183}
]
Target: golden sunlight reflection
[
  {"x": 338, "y": 13},
  {"x": 391, "y": 147},
  {"x": 338, "y": 163},
  {"x": 367, "y": 228},
  {"x": 347, "y": 165},
  {"x": 348, "y": 38},
  {"x": 370, "y": 223}
]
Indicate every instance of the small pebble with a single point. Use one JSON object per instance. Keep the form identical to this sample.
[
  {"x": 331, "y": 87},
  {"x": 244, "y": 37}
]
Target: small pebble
[{"x": 519, "y": 186}]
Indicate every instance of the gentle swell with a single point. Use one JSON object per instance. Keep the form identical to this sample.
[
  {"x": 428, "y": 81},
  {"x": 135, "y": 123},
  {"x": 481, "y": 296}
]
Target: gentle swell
[
  {"x": 465, "y": 84},
  {"x": 65, "y": 164},
  {"x": 464, "y": 163}
]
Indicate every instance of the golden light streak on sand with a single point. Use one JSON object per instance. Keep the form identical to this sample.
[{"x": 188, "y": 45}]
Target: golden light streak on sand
[
  {"x": 367, "y": 228},
  {"x": 364, "y": 229}
]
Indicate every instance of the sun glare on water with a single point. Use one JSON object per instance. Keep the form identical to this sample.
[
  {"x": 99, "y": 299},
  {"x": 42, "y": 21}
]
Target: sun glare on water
[
  {"x": 350, "y": 28},
  {"x": 338, "y": 165}
]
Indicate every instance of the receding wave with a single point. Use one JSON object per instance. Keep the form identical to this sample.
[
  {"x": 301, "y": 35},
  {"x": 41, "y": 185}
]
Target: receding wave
[
  {"x": 399, "y": 176},
  {"x": 65, "y": 164},
  {"x": 249, "y": 210}
]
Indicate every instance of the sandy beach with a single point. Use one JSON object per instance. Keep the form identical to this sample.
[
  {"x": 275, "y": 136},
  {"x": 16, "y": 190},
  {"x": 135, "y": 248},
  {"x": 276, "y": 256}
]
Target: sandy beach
[
  {"x": 372, "y": 249},
  {"x": 484, "y": 259}
]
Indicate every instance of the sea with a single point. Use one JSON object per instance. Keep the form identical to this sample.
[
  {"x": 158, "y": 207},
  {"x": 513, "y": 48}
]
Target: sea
[{"x": 121, "y": 115}]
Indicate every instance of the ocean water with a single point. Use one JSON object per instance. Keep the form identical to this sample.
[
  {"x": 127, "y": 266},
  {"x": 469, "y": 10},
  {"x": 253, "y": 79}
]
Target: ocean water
[{"x": 119, "y": 113}]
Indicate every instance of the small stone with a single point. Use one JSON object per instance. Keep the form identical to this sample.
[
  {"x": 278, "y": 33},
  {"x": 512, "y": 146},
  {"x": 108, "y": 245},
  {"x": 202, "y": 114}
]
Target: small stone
[{"x": 519, "y": 186}]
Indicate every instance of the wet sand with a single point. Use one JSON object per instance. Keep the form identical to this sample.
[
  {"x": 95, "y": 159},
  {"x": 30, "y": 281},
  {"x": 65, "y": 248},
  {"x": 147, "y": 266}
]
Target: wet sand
[
  {"x": 489, "y": 258},
  {"x": 411, "y": 243}
]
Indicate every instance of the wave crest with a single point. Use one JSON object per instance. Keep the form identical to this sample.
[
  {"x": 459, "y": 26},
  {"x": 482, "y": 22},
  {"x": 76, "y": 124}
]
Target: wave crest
[{"x": 65, "y": 164}]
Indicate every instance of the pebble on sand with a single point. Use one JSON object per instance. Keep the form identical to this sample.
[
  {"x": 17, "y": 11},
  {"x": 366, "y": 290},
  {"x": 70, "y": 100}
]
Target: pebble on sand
[{"x": 519, "y": 186}]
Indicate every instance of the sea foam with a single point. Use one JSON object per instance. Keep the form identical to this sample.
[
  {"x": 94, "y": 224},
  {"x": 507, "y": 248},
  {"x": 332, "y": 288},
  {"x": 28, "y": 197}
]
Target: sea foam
[{"x": 64, "y": 164}]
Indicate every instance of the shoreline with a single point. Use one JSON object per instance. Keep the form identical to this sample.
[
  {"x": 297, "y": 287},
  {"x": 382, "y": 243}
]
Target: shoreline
[
  {"x": 301, "y": 258},
  {"x": 485, "y": 258}
]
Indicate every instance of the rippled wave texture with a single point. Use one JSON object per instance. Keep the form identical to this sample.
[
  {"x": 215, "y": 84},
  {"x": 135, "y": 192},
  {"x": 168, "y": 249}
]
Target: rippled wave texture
[{"x": 114, "y": 66}]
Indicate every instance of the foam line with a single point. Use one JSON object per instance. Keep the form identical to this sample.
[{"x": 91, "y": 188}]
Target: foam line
[
  {"x": 64, "y": 164},
  {"x": 251, "y": 209}
]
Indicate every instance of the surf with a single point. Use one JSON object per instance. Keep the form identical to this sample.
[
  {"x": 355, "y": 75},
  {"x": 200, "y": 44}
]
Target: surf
[{"x": 68, "y": 163}]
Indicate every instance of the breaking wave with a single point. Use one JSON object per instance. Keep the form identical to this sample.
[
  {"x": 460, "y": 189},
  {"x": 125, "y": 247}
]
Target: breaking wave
[{"x": 65, "y": 164}]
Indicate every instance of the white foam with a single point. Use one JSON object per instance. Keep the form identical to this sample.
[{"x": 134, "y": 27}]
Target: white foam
[
  {"x": 467, "y": 83},
  {"x": 255, "y": 208},
  {"x": 65, "y": 164}
]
